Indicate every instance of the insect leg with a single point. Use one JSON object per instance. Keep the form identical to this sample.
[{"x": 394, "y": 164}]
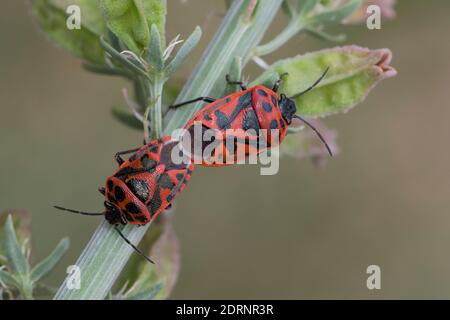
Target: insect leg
[
  {"x": 205, "y": 99},
  {"x": 118, "y": 157},
  {"x": 231, "y": 82},
  {"x": 277, "y": 83}
]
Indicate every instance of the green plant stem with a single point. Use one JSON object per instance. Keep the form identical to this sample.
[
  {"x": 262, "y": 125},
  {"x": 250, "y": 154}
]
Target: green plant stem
[
  {"x": 237, "y": 36},
  {"x": 106, "y": 253},
  {"x": 293, "y": 28},
  {"x": 101, "y": 262},
  {"x": 155, "y": 111},
  {"x": 26, "y": 290}
]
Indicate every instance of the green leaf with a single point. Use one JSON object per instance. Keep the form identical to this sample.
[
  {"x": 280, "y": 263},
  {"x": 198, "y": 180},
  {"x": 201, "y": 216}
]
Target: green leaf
[
  {"x": 184, "y": 51},
  {"x": 128, "y": 62},
  {"x": 83, "y": 43},
  {"x": 130, "y": 20},
  {"x": 306, "y": 6},
  {"x": 337, "y": 15},
  {"x": 22, "y": 225},
  {"x": 354, "y": 71},
  {"x": 155, "y": 12},
  {"x": 17, "y": 261},
  {"x": 46, "y": 265},
  {"x": 8, "y": 280},
  {"x": 155, "y": 50}
]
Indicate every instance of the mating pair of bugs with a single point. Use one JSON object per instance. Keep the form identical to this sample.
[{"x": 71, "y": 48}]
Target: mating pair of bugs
[{"x": 147, "y": 183}]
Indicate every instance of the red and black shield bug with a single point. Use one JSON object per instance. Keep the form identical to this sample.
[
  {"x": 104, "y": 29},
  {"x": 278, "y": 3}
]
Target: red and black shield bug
[
  {"x": 251, "y": 109},
  {"x": 144, "y": 185}
]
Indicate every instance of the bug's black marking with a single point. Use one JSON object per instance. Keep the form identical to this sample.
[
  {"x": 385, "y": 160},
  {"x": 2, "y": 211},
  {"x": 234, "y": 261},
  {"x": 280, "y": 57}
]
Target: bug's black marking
[
  {"x": 110, "y": 185},
  {"x": 267, "y": 107},
  {"x": 119, "y": 193},
  {"x": 166, "y": 156},
  {"x": 177, "y": 189},
  {"x": 227, "y": 100},
  {"x": 139, "y": 188},
  {"x": 128, "y": 171},
  {"x": 165, "y": 182},
  {"x": 273, "y": 124},
  {"x": 179, "y": 176},
  {"x": 207, "y": 117},
  {"x": 283, "y": 126},
  {"x": 262, "y": 92},
  {"x": 147, "y": 163},
  {"x": 245, "y": 99},
  {"x": 141, "y": 218},
  {"x": 156, "y": 202},
  {"x": 274, "y": 100},
  {"x": 132, "y": 208},
  {"x": 250, "y": 121},
  {"x": 222, "y": 120}
]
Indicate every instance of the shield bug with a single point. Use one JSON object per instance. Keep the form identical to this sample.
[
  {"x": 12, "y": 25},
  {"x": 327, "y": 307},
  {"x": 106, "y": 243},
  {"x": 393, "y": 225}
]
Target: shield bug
[
  {"x": 254, "y": 110},
  {"x": 144, "y": 185}
]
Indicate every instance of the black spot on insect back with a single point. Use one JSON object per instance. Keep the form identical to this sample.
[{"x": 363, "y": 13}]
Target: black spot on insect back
[
  {"x": 110, "y": 185},
  {"x": 250, "y": 121},
  {"x": 141, "y": 218},
  {"x": 245, "y": 100},
  {"x": 274, "y": 100},
  {"x": 207, "y": 117},
  {"x": 119, "y": 193},
  {"x": 262, "y": 92},
  {"x": 132, "y": 208},
  {"x": 147, "y": 163},
  {"x": 273, "y": 124},
  {"x": 267, "y": 106},
  {"x": 165, "y": 182},
  {"x": 222, "y": 120},
  {"x": 155, "y": 203}
]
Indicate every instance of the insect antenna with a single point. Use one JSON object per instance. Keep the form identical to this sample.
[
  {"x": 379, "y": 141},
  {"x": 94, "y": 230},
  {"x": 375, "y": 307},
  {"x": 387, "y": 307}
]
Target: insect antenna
[
  {"x": 312, "y": 86},
  {"x": 132, "y": 245},
  {"x": 317, "y": 133},
  {"x": 80, "y": 212}
]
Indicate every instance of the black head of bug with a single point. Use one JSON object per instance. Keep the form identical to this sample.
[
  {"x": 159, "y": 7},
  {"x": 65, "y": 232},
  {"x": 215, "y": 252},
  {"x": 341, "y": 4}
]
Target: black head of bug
[
  {"x": 287, "y": 107},
  {"x": 113, "y": 214}
]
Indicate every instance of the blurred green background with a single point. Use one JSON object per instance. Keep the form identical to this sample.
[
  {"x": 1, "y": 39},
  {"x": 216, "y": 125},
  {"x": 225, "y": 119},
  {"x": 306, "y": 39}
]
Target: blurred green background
[{"x": 304, "y": 233}]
